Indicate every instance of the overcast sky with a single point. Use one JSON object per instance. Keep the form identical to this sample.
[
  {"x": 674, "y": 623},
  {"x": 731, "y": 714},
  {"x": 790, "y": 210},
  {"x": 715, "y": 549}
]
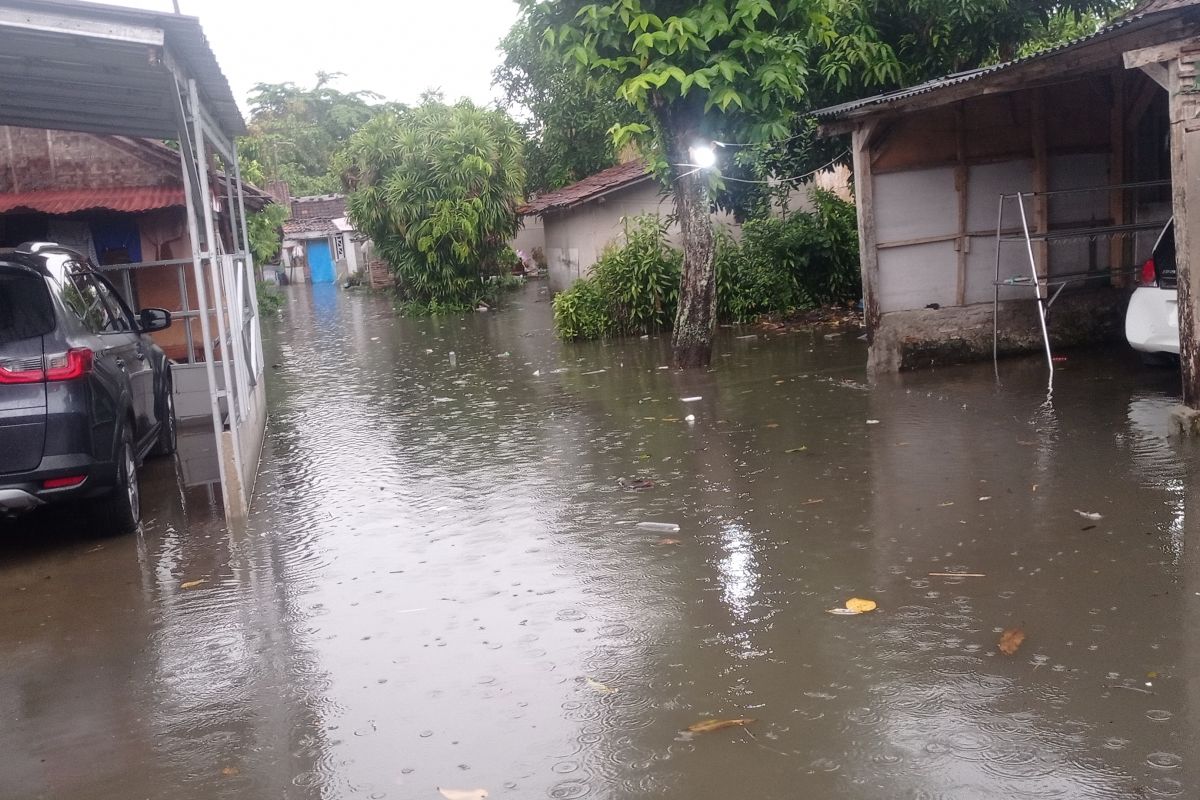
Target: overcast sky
[{"x": 398, "y": 48}]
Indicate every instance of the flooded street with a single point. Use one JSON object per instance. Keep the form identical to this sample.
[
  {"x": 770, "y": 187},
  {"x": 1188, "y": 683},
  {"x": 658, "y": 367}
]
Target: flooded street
[{"x": 443, "y": 583}]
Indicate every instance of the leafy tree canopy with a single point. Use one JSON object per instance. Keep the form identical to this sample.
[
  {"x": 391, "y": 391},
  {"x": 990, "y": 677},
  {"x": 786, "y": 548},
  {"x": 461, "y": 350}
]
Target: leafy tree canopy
[
  {"x": 436, "y": 187},
  {"x": 295, "y": 132},
  {"x": 565, "y": 117}
]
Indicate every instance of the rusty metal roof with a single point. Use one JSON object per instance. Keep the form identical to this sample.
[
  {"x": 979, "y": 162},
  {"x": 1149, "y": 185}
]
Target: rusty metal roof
[
  {"x": 1141, "y": 16},
  {"x": 68, "y": 201},
  {"x": 589, "y": 188}
]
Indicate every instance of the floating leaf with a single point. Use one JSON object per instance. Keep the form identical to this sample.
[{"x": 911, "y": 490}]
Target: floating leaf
[
  {"x": 463, "y": 794},
  {"x": 861, "y": 606},
  {"x": 229, "y": 772},
  {"x": 710, "y": 725},
  {"x": 193, "y": 584},
  {"x": 1010, "y": 640},
  {"x": 796, "y": 450},
  {"x": 665, "y": 542},
  {"x": 599, "y": 687}
]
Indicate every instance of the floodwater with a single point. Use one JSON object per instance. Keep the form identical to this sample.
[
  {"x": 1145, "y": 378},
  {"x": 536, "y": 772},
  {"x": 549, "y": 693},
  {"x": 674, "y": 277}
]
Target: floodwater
[{"x": 442, "y": 582}]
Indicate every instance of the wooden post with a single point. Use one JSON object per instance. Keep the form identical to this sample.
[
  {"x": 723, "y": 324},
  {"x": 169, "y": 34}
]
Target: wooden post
[
  {"x": 1185, "y": 181},
  {"x": 961, "y": 173},
  {"x": 1116, "y": 175},
  {"x": 1041, "y": 181},
  {"x": 864, "y": 196}
]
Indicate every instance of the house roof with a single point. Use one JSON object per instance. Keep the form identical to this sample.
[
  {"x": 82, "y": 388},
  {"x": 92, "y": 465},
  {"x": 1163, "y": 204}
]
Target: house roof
[
  {"x": 305, "y": 228},
  {"x": 589, "y": 188},
  {"x": 130, "y": 199},
  {"x": 321, "y": 206},
  {"x": 1148, "y": 13}
]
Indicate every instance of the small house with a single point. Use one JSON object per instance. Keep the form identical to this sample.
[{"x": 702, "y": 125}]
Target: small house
[{"x": 320, "y": 245}]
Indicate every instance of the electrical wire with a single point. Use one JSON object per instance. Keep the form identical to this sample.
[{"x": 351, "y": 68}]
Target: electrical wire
[{"x": 773, "y": 181}]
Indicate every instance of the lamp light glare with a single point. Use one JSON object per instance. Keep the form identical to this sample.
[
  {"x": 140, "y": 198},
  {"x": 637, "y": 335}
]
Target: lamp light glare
[{"x": 704, "y": 156}]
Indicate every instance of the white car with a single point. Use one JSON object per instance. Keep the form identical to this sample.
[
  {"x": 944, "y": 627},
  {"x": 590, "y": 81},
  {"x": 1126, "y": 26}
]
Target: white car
[{"x": 1152, "y": 320}]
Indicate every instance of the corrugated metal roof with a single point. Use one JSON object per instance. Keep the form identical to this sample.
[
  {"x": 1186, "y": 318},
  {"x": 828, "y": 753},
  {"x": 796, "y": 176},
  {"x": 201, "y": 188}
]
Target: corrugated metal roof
[
  {"x": 590, "y": 187},
  {"x": 1136, "y": 18},
  {"x": 110, "y": 86},
  {"x": 129, "y": 199}
]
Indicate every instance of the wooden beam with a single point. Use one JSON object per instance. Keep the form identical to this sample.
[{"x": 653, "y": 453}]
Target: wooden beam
[
  {"x": 962, "y": 173},
  {"x": 1116, "y": 177},
  {"x": 1185, "y": 181},
  {"x": 1158, "y": 74},
  {"x": 1041, "y": 179},
  {"x": 864, "y": 196},
  {"x": 1154, "y": 54},
  {"x": 1141, "y": 103}
]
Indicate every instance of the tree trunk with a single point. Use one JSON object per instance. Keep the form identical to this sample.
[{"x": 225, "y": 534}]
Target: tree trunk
[{"x": 696, "y": 320}]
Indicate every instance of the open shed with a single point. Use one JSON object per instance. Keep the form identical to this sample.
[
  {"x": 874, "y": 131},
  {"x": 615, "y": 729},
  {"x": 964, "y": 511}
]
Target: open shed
[
  {"x": 112, "y": 71},
  {"x": 983, "y": 195}
]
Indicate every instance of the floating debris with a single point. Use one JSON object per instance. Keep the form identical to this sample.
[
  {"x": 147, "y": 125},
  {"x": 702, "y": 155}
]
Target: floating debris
[{"x": 659, "y": 527}]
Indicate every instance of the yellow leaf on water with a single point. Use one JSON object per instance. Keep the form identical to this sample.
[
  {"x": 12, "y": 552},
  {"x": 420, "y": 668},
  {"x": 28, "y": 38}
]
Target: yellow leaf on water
[
  {"x": 193, "y": 584},
  {"x": 229, "y": 772},
  {"x": 463, "y": 794},
  {"x": 1010, "y": 640},
  {"x": 599, "y": 687},
  {"x": 666, "y": 542},
  {"x": 710, "y": 725},
  {"x": 861, "y": 606}
]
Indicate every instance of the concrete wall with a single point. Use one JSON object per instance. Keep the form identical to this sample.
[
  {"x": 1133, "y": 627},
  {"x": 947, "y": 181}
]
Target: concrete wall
[{"x": 531, "y": 235}]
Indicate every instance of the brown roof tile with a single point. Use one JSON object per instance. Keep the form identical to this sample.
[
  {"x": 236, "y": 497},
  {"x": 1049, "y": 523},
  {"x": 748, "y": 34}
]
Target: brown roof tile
[{"x": 590, "y": 187}]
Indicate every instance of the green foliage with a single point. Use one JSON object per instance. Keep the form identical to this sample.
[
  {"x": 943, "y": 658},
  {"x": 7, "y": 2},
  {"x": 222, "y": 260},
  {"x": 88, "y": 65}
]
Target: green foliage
[
  {"x": 633, "y": 289},
  {"x": 566, "y": 118},
  {"x": 295, "y": 132},
  {"x": 582, "y": 312},
  {"x": 806, "y": 260},
  {"x": 269, "y": 299},
  {"x": 266, "y": 236},
  {"x": 436, "y": 187}
]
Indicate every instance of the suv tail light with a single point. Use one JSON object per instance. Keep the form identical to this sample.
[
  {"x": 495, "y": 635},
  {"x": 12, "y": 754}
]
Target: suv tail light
[
  {"x": 68, "y": 366},
  {"x": 1149, "y": 273}
]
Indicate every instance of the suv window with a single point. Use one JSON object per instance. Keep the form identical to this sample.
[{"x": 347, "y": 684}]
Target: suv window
[
  {"x": 25, "y": 309},
  {"x": 91, "y": 299}
]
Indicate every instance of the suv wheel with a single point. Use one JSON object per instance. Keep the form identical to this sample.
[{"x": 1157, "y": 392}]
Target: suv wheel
[
  {"x": 121, "y": 510},
  {"x": 168, "y": 434}
]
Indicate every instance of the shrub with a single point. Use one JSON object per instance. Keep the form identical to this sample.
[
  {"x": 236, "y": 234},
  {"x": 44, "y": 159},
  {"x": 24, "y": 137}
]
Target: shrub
[
  {"x": 583, "y": 312},
  {"x": 633, "y": 289},
  {"x": 803, "y": 261},
  {"x": 269, "y": 300}
]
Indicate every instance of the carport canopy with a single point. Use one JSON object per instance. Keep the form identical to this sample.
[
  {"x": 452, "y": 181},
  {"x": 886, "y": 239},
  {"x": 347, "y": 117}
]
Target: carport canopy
[
  {"x": 69, "y": 65},
  {"x": 102, "y": 69}
]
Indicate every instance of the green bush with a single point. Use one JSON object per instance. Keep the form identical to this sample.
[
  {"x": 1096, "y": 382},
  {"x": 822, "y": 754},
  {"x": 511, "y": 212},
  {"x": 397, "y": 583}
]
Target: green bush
[
  {"x": 804, "y": 261},
  {"x": 269, "y": 299},
  {"x": 633, "y": 289}
]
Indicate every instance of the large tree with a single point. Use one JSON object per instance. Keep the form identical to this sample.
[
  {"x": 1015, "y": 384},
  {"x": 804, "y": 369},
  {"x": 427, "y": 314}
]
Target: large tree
[
  {"x": 565, "y": 117},
  {"x": 700, "y": 70},
  {"x": 436, "y": 187},
  {"x": 295, "y": 132}
]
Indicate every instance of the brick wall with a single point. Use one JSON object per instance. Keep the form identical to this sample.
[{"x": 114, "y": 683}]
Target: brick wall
[{"x": 32, "y": 159}]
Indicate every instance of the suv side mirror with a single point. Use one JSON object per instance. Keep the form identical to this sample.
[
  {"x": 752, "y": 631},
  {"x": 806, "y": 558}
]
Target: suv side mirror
[{"x": 154, "y": 319}]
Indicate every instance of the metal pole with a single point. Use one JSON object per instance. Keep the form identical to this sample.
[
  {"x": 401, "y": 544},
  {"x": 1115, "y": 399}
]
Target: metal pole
[
  {"x": 218, "y": 300},
  {"x": 996, "y": 287},
  {"x": 187, "y": 158},
  {"x": 1037, "y": 285}
]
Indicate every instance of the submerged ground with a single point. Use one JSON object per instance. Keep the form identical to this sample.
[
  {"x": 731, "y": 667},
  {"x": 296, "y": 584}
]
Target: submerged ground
[{"x": 442, "y": 583}]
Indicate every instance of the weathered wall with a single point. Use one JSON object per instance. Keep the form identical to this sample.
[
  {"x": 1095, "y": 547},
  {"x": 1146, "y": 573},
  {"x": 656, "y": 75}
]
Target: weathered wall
[
  {"x": 907, "y": 340},
  {"x": 531, "y": 235},
  {"x": 41, "y": 159}
]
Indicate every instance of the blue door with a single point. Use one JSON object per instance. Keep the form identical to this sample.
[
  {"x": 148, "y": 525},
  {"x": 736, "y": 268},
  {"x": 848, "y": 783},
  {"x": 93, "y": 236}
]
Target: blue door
[{"x": 320, "y": 261}]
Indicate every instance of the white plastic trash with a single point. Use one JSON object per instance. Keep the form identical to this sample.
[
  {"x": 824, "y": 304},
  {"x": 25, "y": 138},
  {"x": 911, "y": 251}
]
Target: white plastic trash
[{"x": 658, "y": 527}]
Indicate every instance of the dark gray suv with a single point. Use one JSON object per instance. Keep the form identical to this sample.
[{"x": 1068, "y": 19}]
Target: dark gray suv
[{"x": 85, "y": 394}]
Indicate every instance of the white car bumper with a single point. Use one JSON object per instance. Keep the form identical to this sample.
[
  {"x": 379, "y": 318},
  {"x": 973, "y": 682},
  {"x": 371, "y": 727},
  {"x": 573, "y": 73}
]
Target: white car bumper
[{"x": 1152, "y": 321}]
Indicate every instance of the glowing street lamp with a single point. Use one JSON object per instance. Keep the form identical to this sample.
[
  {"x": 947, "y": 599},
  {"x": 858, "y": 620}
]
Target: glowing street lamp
[{"x": 703, "y": 156}]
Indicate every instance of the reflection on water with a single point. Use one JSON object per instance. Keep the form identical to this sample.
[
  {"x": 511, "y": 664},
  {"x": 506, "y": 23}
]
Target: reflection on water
[{"x": 442, "y": 581}]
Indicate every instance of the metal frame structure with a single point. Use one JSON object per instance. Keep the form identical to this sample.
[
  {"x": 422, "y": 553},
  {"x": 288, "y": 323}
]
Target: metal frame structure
[
  {"x": 1047, "y": 288},
  {"x": 71, "y": 65}
]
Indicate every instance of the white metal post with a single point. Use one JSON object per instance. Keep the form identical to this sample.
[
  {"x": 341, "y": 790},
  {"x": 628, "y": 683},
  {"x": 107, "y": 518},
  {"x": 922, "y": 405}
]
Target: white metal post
[{"x": 219, "y": 301}]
